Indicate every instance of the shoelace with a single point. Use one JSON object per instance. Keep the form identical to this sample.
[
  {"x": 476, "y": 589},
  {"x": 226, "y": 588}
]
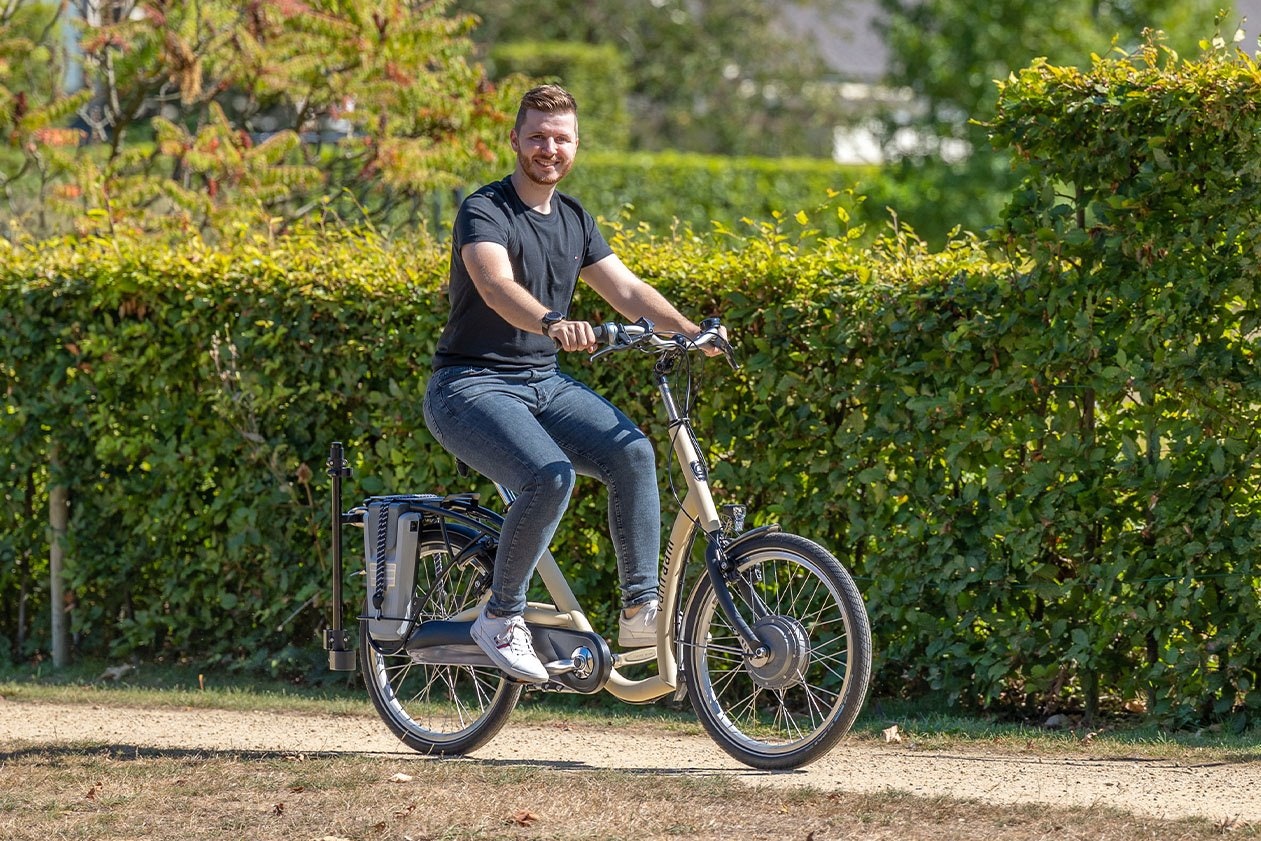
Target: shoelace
[
  {"x": 647, "y": 616},
  {"x": 516, "y": 636}
]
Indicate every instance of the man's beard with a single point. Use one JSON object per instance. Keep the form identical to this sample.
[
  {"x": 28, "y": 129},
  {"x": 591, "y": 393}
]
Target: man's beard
[{"x": 548, "y": 179}]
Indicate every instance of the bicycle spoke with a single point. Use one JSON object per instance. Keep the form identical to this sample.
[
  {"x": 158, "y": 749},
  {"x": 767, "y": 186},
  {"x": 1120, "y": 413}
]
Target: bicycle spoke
[
  {"x": 726, "y": 679},
  {"x": 463, "y": 711},
  {"x": 784, "y": 719},
  {"x": 814, "y": 703}
]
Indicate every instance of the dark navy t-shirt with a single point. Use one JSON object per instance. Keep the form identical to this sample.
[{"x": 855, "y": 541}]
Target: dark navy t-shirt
[{"x": 547, "y": 251}]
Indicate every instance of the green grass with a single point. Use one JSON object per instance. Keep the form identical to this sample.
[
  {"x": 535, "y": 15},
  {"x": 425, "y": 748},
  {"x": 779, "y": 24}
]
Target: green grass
[{"x": 175, "y": 685}]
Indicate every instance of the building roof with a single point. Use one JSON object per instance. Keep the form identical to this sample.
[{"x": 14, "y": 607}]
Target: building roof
[{"x": 849, "y": 40}]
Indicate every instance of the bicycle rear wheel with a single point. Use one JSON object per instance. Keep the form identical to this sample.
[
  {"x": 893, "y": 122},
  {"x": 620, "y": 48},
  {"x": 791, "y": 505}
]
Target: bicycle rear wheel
[
  {"x": 791, "y": 707},
  {"x": 437, "y": 709}
]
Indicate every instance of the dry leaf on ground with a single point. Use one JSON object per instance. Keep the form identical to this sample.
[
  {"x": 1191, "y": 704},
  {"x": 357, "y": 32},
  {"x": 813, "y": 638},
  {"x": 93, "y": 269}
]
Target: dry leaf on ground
[{"x": 524, "y": 817}]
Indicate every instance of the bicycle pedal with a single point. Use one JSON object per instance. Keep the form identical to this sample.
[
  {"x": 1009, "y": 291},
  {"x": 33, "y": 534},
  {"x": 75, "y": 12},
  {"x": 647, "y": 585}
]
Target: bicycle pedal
[{"x": 635, "y": 657}]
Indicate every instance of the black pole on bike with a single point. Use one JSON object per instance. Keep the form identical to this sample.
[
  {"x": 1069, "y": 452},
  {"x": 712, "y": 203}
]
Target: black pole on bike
[
  {"x": 720, "y": 573},
  {"x": 341, "y": 657}
]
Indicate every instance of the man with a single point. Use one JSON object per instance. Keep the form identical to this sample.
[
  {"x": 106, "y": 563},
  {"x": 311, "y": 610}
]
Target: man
[{"x": 497, "y": 401}]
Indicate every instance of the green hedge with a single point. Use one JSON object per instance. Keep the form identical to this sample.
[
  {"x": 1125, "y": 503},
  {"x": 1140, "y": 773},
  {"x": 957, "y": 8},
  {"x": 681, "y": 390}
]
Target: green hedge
[
  {"x": 1140, "y": 223},
  {"x": 1042, "y": 468},
  {"x": 665, "y": 191}
]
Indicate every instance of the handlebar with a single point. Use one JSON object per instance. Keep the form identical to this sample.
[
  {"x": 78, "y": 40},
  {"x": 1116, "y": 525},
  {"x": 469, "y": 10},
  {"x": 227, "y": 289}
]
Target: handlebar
[{"x": 641, "y": 335}]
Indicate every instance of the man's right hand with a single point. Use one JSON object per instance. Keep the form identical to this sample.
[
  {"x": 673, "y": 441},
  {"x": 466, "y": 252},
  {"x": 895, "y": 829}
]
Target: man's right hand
[{"x": 573, "y": 335}]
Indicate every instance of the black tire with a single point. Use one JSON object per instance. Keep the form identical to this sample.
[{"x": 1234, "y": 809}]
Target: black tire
[
  {"x": 442, "y": 710},
  {"x": 793, "y": 708}
]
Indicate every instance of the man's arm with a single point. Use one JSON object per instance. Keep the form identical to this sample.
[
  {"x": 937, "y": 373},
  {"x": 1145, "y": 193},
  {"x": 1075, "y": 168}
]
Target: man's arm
[
  {"x": 634, "y": 298},
  {"x": 491, "y": 270}
]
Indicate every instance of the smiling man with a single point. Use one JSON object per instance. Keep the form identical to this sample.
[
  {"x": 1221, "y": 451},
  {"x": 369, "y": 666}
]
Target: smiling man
[{"x": 497, "y": 400}]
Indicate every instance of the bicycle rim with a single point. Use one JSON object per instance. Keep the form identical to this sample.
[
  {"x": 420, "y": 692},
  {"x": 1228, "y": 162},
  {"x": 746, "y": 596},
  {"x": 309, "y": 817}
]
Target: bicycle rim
[
  {"x": 437, "y": 709},
  {"x": 791, "y": 707}
]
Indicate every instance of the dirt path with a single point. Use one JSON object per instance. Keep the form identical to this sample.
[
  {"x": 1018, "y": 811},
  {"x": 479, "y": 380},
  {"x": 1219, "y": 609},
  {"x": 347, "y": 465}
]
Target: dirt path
[{"x": 1161, "y": 788}]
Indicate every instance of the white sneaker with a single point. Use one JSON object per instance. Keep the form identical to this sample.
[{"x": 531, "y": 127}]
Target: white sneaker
[
  {"x": 506, "y": 641},
  {"x": 639, "y": 630}
]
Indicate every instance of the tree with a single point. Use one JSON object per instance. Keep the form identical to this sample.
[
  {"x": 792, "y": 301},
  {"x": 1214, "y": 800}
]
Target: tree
[
  {"x": 33, "y": 104},
  {"x": 950, "y": 53},
  {"x": 715, "y": 76},
  {"x": 215, "y": 115}
]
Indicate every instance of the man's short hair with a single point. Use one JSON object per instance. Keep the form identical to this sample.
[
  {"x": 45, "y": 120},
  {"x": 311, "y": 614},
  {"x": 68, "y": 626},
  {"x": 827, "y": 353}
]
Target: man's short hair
[{"x": 550, "y": 99}]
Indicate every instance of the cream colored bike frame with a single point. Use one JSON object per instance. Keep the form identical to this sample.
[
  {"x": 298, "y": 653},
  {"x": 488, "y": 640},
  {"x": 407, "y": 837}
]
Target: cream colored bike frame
[{"x": 697, "y": 511}]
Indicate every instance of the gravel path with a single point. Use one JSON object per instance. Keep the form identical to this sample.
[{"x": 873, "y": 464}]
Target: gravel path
[{"x": 1219, "y": 791}]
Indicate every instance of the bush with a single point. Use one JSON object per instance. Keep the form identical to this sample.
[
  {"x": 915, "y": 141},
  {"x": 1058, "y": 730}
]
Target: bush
[{"x": 668, "y": 190}]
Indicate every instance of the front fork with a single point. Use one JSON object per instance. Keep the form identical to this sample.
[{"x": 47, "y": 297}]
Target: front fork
[{"x": 724, "y": 576}]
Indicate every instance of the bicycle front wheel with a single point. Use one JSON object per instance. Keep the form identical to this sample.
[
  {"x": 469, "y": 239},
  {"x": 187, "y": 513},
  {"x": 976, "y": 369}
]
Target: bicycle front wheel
[
  {"x": 440, "y": 709},
  {"x": 789, "y": 707}
]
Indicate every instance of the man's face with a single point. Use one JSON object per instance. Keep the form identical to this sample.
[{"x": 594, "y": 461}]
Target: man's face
[{"x": 546, "y": 145}]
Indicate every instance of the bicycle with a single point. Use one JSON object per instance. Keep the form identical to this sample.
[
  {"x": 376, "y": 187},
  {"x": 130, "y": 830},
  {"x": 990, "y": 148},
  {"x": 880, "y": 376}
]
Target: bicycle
[{"x": 771, "y": 644}]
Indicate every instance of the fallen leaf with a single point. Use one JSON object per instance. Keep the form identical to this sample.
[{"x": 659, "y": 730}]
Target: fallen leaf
[
  {"x": 891, "y": 734},
  {"x": 297, "y": 789},
  {"x": 401, "y": 778},
  {"x": 524, "y": 817},
  {"x": 402, "y": 813},
  {"x": 278, "y": 809},
  {"x": 379, "y": 826}
]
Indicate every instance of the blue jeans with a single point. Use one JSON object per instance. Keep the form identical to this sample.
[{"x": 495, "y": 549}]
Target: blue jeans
[{"x": 533, "y": 432}]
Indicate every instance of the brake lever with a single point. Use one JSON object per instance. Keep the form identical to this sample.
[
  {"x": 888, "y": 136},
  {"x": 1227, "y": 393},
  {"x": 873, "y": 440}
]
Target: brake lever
[
  {"x": 602, "y": 351},
  {"x": 717, "y": 340},
  {"x": 728, "y": 352}
]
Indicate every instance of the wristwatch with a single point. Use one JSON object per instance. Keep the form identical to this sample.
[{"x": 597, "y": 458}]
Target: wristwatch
[{"x": 550, "y": 318}]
